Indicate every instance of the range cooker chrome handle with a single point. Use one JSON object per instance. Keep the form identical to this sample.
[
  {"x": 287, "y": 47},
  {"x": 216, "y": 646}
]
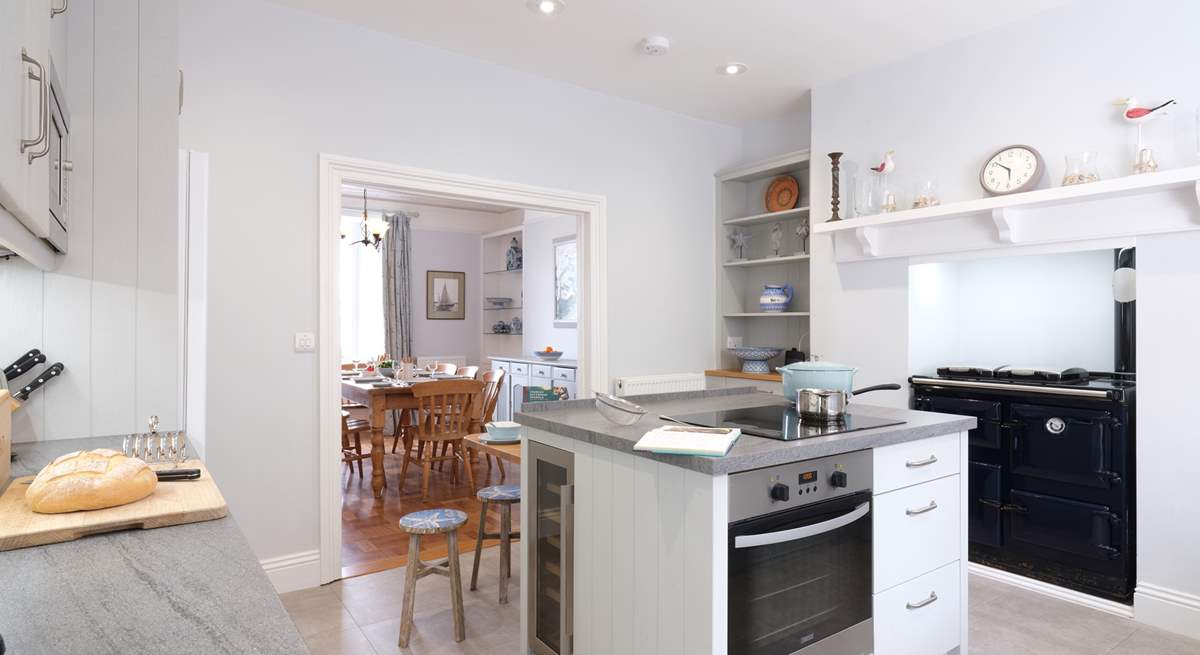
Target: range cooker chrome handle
[
  {"x": 923, "y": 602},
  {"x": 795, "y": 534},
  {"x": 921, "y": 510},
  {"x": 932, "y": 459},
  {"x": 43, "y": 110}
]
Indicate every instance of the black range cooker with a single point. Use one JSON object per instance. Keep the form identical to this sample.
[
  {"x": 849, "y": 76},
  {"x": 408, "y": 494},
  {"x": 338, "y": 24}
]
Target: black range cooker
[{"x": 1051, "y": 471}]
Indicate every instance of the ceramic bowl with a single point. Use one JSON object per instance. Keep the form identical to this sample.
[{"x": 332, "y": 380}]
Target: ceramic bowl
[
  {"x": 754, "y": 358},
  {"x": 548, "y": 356},
  {"x": 503, "y": 431},
  {"x": 499, "y": 302},
  {"x": 621, "y": 412}
]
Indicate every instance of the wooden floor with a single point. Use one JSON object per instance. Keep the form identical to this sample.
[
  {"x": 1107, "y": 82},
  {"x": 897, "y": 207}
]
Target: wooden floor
[{"x": 371, "y": 536}]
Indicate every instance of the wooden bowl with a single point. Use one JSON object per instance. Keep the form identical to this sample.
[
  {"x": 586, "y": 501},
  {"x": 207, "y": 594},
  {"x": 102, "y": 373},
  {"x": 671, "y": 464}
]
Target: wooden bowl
[{"x": 782, "y": 193}]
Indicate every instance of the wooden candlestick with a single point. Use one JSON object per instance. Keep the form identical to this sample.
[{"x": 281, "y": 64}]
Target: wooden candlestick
[{"x": 834, "y": 158}]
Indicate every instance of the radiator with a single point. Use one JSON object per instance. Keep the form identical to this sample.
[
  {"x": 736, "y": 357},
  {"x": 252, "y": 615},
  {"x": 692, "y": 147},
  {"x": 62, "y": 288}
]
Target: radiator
[
  {"x": 644, "y": 384},
  {"x": 458, "y": 360}
]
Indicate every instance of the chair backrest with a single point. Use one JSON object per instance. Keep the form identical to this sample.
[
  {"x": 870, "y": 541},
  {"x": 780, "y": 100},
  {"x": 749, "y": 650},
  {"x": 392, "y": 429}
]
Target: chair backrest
[
  {"x": 493, "y": 380},
  {"x": 446, "y": 367},
  {"x": 445, "y": 407},
  {"x": 468, "y": 371}
]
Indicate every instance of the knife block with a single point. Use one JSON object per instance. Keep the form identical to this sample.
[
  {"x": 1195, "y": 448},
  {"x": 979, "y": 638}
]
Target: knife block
[{"x": 6, "y": 405}]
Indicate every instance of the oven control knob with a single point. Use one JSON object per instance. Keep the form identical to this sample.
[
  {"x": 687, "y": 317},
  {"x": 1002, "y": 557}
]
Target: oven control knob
[
  {"x": 780, "y": 492},
  {"x": 838, "y": 479}
]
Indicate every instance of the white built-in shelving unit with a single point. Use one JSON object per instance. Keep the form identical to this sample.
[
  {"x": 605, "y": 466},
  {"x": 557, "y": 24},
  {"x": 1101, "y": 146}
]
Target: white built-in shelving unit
[
  {"x": 740, "y": 204},
  {"x": 498, "y": 281}
]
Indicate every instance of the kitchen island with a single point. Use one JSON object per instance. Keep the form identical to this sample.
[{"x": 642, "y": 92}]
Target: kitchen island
[
  {"x": 195, "y": 588},
  {"x": 641, "y": 553}
]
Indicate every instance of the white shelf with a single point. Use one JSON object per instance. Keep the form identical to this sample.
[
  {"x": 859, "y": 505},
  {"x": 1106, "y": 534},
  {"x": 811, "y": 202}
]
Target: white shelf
[
  {"x": 768, "y": 217},
  {"x": 766, "y": 261},
  {"x": 766, "y": 314},
  {"x": 766, "y": 168},
  {"x": 1153, "y": 203}
]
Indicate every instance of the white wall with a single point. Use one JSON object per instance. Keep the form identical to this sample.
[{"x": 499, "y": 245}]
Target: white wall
[
  {"x": 110, "y": 312},
  {"x": 1054, "y": 311},
  {"x": 538, "y": 284},
  {"x": 256, "y": 80},
  {"x": 786, "y": 133},
  {"x": 944, "y": 112},
  {"x": 446, "y": 251}
]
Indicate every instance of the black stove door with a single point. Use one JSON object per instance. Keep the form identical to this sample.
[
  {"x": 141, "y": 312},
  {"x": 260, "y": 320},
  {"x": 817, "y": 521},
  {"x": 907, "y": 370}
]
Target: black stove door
[
  {"x": 984, "y": 516},
  {"x": 986, "y": 412},
  {"x": 1064, "y": 444},
  {"x": 1071, "y": 528}
]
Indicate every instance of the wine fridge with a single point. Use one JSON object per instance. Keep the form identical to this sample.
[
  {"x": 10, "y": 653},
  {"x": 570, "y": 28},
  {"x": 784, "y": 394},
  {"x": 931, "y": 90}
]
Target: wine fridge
[{"x": 550, "y": 565}]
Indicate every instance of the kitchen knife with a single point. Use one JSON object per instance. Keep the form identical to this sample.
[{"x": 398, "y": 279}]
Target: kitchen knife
[
  {"x": 176, "y": 475},
  {"x": 24, "y": 363},
  {"x": 42, "y": 378}
]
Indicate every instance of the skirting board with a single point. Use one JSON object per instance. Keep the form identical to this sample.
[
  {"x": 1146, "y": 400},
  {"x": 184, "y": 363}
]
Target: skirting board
[
  {"x": 1171, "y": 610},
  {"x": 1054, "y": 591},
  {"x": 295, "y": 571}
]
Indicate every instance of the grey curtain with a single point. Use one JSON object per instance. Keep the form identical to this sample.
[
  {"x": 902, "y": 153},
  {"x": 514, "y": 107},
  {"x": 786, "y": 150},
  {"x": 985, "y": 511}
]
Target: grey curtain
[{"x": 397, "y": 285}]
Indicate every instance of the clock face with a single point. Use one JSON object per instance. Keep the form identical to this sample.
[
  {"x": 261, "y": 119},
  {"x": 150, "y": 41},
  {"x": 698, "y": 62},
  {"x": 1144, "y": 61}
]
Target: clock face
[{"x": 1013, "y": 169}]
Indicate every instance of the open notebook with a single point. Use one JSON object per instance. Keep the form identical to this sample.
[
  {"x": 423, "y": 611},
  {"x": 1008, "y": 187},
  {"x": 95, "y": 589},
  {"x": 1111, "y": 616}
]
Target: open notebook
[{"x": 688, "y": 440}]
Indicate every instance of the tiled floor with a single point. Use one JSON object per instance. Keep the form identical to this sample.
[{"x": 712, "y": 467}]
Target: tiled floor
[{"x": 361, "y": 616}]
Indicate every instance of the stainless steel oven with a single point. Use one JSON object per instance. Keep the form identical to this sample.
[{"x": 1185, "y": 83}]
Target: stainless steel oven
[
  {"x": 800, "y": 558},
  {"x": 59, "y": 148}
]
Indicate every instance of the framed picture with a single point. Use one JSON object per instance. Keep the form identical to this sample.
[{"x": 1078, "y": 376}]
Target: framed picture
[
  {"x": 566, "y": 285},
  {"x": 445, "y": 295}
]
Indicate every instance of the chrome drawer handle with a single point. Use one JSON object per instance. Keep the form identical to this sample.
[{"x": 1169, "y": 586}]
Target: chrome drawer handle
[
  {"x": 922, "y": 603},
  {"x": 932, "y": 459},
  {"x": 921, "y": 510}
]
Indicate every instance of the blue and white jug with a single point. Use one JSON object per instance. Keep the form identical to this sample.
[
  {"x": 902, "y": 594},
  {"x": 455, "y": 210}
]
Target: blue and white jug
[{"x": 776, "y": 297}]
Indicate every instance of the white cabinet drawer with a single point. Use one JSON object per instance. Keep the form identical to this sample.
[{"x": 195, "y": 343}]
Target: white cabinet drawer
[
  {"x": 920, "y": 617},
  {"x": 915, "y": 530},
  {"x": 567, "y": 374},
  {"x": 540, "y": 371},
  {"x": 915, "y": 462},
  {"x": 518, "y": 368},
  {"x": 500, "y": 365},
  {"x": 542, "y": 382}
]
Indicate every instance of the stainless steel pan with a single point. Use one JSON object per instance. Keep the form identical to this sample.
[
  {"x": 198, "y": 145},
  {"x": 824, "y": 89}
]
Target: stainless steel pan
[{"x": 828, "y": 405}]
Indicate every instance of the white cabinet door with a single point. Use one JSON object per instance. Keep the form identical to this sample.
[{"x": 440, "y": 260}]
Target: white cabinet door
[
  {"x": 915, "y": 530},
  {"x": 24, "y": 185},
  {"x": 504, "y": 402},
  {"x": 920, "y": 617},
  {"x": 516, "y": 385}
]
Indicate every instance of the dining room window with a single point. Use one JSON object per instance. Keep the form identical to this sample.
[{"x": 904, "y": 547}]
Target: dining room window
[
  {"x": 566, "y": 282},
  {"x": 361, "y": 302}
]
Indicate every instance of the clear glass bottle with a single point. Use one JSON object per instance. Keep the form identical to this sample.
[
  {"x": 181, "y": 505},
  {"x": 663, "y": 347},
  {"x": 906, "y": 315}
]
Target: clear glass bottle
[{"x": 1082, "y": 167}]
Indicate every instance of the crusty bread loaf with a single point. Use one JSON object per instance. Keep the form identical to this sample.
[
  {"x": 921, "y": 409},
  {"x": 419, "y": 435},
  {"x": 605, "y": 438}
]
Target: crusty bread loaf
[{"x": 92, "y": 479}]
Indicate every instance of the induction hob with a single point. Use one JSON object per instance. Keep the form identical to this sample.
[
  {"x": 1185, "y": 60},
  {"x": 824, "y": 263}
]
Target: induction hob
[{"x": 782, "y": 422}]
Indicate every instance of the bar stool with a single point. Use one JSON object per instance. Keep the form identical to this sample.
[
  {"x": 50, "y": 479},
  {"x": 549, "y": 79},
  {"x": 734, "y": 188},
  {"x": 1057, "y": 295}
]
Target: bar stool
[
  {"x": 503, "y": 495},
  {"x": 432, "y": 521}
]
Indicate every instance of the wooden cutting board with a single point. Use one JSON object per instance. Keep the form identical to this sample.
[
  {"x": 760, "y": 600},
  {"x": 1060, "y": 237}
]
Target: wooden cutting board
[{"x": 172, "y": 503}]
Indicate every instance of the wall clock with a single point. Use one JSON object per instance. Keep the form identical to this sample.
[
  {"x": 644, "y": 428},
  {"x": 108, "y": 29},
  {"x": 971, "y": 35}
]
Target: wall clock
[{"x": 1013, "y": 169}]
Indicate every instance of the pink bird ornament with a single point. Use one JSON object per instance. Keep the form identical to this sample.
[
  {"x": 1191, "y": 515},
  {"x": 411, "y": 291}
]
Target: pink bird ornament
[
  {"x": 887, "y": 165},
  {"x": 1134, "y": 113}
]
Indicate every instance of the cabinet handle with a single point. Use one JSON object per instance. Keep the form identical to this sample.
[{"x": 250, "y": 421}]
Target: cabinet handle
[
  {"x": 923, "y": 602},
  {"x": 921, "y": 510},
  {"x": 43, "y": 113},
  {"x": 932, "y": 459},
  {"x": 54, "y": 11}
]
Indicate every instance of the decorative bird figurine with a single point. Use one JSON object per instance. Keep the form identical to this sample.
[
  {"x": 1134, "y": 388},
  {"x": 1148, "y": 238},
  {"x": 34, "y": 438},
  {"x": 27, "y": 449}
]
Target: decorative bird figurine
[
  {"x": 887, "y": 165},
  {"x": 1136, "y": 114}
]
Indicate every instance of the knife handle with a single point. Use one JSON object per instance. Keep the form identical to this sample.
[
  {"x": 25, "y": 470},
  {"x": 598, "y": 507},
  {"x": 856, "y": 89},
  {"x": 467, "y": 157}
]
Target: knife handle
[{"x": 175, "y": 475}]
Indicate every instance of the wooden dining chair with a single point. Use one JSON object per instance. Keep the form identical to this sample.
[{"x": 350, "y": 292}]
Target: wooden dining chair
[
  {"x": 446, "y": 368},
  {"x": 469, "y": 372},
  {"x": 493, "y": 381},
  {"x": 353, "y": 428},
  {"x": 444, "y": 414}
]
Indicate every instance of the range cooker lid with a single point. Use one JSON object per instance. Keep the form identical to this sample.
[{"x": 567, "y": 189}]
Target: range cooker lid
[{"x": 1073, "y": 375}]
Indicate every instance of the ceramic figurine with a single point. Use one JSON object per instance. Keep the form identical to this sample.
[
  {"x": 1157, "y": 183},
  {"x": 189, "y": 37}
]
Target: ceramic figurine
[
  {"x": 802, "y": 233},
  {"x": 512, "y": 258},
  {"x": 887, "y": 165},
  {"x": 775, "y": 298},
  {"x": 776, "y": 237},
  {"x": 738, "y": 240},
  {"x": 516, "y": 324},
  {"x": 1132, "y": 112}
]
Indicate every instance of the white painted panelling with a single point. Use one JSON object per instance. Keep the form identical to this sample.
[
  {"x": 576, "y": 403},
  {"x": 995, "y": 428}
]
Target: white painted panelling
[
  {"x": 113, "y": 338},
  {"x": 603, "y": 533},
  {"x": 646, "y": 532},
  {"x": 673, "y": 535},
  {"x": 901, "y": 629},
  {"x": 625, "y": 550},
  {"x": 699, "y": 513},
  {"x": 915, "y": 462},
  {"x": 19, "y": 332},
  {"x": 585, "y": 567},
  {"x": 908, "y": 545},
  {"x": 68, "y": 321}
]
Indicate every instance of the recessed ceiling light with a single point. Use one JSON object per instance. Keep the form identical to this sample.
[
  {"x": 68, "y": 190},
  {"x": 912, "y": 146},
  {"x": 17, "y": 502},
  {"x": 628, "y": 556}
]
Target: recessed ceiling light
[
  {"x": 732, "y": 68},
  {"x": 546, "y": 7}
]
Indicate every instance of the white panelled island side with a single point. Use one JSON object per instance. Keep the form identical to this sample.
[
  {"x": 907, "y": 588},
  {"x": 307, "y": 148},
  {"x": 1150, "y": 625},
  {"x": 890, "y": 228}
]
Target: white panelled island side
[{"x": 846, "y": 543}]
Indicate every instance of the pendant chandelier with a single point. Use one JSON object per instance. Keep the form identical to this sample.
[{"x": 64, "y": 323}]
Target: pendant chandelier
[{"x": 371, "y": 230}]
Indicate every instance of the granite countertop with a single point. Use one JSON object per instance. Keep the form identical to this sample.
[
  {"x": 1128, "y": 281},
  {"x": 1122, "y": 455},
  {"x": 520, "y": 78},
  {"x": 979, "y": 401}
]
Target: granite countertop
[
  {"x": 195, "y": 588},
  {"x": 579, "y": 419},
  {"x": 561, "y": 363}
]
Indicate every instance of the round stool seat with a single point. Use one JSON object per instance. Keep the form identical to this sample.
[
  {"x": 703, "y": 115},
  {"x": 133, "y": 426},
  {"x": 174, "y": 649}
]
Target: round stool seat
[
  {"x": 430, "y": 521},
  {"x": 500, "y": 493}
]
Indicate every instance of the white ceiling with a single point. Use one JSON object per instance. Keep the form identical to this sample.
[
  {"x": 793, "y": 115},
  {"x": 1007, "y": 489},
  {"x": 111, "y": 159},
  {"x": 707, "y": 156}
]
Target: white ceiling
[{"x": 790, "y": 46}]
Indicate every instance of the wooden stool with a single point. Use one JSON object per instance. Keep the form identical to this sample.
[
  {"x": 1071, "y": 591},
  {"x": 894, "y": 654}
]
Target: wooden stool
[
  {"x": 503, "y": 495},
  {"x": 432, "y": 521}
]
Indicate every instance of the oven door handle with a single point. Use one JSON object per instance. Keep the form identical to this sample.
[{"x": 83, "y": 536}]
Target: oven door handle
[{"x": 804, "y": 532}]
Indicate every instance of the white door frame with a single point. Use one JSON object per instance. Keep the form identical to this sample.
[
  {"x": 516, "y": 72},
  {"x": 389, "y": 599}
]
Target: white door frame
[{"x": 336, "y": 170}]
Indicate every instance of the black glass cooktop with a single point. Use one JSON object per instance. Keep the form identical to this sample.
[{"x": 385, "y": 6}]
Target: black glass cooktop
[{"x": 782, "y": 422}]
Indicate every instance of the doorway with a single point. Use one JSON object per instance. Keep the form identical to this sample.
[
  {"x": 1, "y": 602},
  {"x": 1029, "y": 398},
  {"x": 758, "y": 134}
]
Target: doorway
[{"x": 435, "y": 189}]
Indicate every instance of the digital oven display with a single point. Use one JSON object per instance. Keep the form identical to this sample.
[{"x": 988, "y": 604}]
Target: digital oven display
[{"x": 808, "y": 477}]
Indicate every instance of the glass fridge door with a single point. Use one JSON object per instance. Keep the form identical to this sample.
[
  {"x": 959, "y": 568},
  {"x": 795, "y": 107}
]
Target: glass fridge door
[{"x": 550, "y": 552}]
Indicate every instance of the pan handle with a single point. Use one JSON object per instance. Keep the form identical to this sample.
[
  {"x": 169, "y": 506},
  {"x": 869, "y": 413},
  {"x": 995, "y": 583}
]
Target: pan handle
[{"x": 878, "y": 387}]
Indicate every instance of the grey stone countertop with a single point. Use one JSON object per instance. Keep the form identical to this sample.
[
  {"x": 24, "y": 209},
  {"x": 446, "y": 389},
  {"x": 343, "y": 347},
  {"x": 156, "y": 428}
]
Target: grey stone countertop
[
  {"x": 561, "y": 363},
  {"x": 579, "y": 419},
  {"x": 195, "y": 588}
]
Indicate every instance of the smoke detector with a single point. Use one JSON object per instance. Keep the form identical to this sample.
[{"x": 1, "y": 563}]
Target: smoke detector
[{"x": 655, "y": 46}]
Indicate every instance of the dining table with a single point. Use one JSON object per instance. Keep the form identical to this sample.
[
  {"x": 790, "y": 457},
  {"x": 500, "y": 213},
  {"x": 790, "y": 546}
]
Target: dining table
[
  {"x": 508, "y": 451},
  {"x": 380, "y": 398}
]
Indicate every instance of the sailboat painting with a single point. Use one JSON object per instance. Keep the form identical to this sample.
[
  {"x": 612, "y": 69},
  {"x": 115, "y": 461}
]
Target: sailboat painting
[{"x": 444, "y": 294}]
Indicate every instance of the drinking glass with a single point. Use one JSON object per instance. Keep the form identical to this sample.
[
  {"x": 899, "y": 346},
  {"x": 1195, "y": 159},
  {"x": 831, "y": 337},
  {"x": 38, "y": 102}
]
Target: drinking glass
[
  {"x": 1082, "y": 167},
  {"x": 866, "y": 195}
]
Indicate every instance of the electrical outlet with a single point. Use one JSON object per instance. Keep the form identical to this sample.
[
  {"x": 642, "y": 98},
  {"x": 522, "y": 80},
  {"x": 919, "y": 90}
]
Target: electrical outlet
[
  {"x": 733, "y": 342},
  {"x": 306, "y": 342}
]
